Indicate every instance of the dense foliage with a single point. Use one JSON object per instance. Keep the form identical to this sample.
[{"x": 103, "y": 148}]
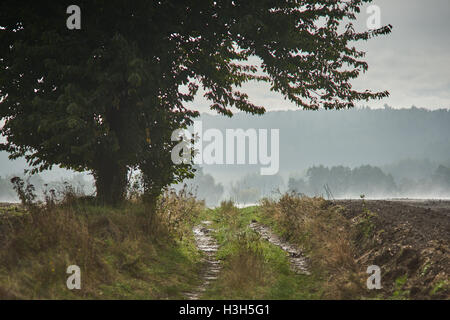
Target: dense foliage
[{"x": 107, "y": 97}]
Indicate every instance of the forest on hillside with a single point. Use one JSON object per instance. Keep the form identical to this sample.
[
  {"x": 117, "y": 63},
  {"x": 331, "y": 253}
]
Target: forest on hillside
[{"x": 351, "y": 137}]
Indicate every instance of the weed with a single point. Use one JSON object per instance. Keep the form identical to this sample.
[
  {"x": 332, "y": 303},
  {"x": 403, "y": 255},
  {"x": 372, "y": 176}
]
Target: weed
[
  {"x": 399, "y": 284},
  {"x": 26, "y": 192},
  {"x": 440, "y": 286}
]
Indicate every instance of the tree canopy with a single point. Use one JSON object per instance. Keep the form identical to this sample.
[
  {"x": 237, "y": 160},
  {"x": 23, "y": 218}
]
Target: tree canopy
[{"x": 107, "y": 97}]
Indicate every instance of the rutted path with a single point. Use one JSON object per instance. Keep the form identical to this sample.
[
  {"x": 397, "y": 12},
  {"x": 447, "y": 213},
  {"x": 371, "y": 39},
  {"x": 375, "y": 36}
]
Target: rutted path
[
  {"x": 209, "y": 246},
  {"x": 296, "y": 258}
]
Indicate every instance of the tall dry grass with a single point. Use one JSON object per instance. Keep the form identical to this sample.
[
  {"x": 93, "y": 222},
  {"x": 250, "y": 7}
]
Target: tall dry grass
[
  {"x": 318, "y": 227},
  {"x": 177, "y": 211},
  {"x": 110, "y": 245}
]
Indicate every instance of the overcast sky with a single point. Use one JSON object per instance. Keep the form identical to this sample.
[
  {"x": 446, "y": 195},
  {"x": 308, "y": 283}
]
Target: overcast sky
[{"x": 412, "y": 63}]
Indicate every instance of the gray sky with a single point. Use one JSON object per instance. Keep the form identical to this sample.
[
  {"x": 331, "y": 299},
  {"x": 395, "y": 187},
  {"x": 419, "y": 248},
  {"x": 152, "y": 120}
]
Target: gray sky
[{"x": 412, "y": 63}]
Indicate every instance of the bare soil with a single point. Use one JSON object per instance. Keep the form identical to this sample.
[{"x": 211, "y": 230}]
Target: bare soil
[{"x": 409, "y": 240}]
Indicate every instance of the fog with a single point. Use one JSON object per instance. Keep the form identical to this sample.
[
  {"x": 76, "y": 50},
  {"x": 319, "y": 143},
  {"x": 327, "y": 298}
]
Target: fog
[{"x": 382, "y": 153}]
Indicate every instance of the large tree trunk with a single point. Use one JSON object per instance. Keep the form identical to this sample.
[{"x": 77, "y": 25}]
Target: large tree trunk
[{"x": 111, "y": 183}]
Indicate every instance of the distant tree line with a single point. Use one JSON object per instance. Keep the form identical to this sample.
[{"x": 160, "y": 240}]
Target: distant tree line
[
  {"x": 370, "y": 181},
  {"x": 395, "y": 137},
  {"x": 341, "y": 182}
]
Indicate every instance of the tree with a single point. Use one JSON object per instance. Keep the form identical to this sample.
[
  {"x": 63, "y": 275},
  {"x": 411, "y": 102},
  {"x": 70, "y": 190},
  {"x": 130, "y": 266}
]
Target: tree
[{"x": 107, "y": 97}]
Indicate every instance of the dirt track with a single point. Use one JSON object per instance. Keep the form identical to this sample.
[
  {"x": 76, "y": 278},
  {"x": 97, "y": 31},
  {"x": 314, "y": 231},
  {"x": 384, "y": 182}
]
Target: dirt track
[
  {"x": 410, "y": 238},
  {"x": 208, "y": 245}
]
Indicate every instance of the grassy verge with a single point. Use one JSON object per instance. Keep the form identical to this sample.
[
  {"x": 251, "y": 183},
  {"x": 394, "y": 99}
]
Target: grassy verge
[
  {"x": 132, "y": 253},
  {"x": 325, "y": 236},
  {"x": 252, "y": 267},
  {"x": 123, "y": 253}
]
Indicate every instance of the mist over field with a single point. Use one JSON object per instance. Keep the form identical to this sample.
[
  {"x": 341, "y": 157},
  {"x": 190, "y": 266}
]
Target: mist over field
[{"x": 378, "y": 153}]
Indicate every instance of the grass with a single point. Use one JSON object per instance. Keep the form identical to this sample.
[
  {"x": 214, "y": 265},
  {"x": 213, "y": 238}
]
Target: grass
[
  {"x": 399, "y": 292},
  {"x": 365, "y": 225},
  {"x": 440, "y": 286},
  {"x": 129, "y": 253},
  {"x": 253, "y": 268},
  {"x": 325, "y": 236},
  {"x": 133, "y": 253},
  {"x": 11, "y": 210},
  {"x": 123, "y": 253}
]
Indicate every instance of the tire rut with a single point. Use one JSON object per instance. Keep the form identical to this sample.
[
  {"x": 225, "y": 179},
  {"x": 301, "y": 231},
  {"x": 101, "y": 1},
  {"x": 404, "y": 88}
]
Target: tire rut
[
  {"x": 296, "y": 258},
  {"x": 208, "y": 245}
]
